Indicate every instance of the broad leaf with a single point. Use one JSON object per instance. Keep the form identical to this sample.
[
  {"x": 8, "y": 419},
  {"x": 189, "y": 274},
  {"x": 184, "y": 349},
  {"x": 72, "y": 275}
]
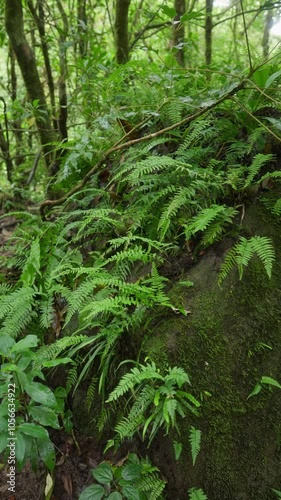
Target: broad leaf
[
  {"x": 94, "y": 492},
  {"x": 45, "y": 416},
  {"x": 103, "y": 473}
]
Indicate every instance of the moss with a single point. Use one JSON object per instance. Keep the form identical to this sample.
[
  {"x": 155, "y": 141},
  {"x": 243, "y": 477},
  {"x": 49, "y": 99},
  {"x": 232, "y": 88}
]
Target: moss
[{"x": 218, "y": 345}]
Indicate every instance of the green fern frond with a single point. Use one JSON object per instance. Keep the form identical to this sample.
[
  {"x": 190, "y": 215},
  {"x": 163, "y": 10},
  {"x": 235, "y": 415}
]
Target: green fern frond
[
  {"x": 47, "y": 312},
  {"x": 71, "y": 378},
  {"x": 215, "y": 216},
  {"x": 195, "y": 440},
  {"x": 243, "y": 251},
  {"x": 195, "y": 494},
  {"x": 91, "y": 390},
  {"x": 195, "y": 133},
  {"x": 53, "y": 350},
  {"x": 183, "y": 197},
  {"x": 135, "y": 376},
  {"x": 17, "y": 310},
  {"x": 258, "y": 162}
]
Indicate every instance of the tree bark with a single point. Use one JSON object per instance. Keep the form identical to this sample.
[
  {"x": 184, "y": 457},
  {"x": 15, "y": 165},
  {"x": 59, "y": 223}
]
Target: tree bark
[
  {"x": 121, "y": 31},
  {"x": 208, "y": 32},
  {"x": 178, "y": 31},
  {"x": 267, "y": 27},
  {"x": 26, "y": 60}
]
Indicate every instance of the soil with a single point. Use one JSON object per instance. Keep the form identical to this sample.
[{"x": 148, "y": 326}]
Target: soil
[{"x": 74, "y": 460}]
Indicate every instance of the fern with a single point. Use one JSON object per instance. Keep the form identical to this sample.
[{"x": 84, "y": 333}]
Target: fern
[
  {"x": 195, "y": 494},
  {"x": 258, "y": 162},
  {"x": 213, "y": 219},
  {"x": 194, "y": 439},
  {"x": 16, "y": 311},
  {"x": 243, "y": 251}
]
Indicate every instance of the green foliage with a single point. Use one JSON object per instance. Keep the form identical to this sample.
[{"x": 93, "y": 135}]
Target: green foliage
[
  {"x": 157, "y": 401},
  {"x": 265, "y": 381},
  {"x": 241, "y": 254},
  {"x": 136, "y": 479},
  {"x": 195, "y": 494},
  {"x": 194, "y": 439},
  {"x": 29, "y": 407}
]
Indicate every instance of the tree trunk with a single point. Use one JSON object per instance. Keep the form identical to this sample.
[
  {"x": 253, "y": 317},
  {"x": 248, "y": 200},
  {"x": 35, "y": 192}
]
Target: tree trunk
[
  {"x": 28, "y": 66},
  {"x": 178, "y": 31},
  {"x": 267, "y": 28},
  {"x": 121, "y": 31},
  {"x": 82, "y": 27},
  {"x": 208, "y": 32}
]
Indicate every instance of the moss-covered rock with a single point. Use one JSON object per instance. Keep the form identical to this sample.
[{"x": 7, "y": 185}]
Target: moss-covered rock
[{"x": 228, "y": 341}]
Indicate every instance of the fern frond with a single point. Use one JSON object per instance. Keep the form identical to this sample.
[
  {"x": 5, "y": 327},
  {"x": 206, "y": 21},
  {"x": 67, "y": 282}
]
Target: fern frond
[
  {"x": 206, "y": 217},
  {"x": 135, "y": 376},
  {"x": 258, "y": 162},
  {"x": 243, "y": 251},
  {"x": 195, "y": 494},
  {"x": 53, "y": 350},
  {"x": 16, "y": 310},
  {"x": 195, "y": 440}
]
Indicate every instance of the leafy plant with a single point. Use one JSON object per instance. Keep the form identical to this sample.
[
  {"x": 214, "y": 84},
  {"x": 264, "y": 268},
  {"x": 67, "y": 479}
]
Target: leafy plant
[
  {"x": 35, "y": 406},
  {"x": 157, "y": 401},
  {"x": 240, "y": 255},
  {"x": 195, "y": 494},
  {"x": 265, "y": 381},
  {"x": 136, "y": 479}
]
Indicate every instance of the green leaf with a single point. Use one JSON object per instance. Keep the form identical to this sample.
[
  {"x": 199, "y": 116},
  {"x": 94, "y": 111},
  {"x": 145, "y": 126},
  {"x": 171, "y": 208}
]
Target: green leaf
[
  {"x": 130, "y": 492},
  {"x": 103, "y": 473},
  {"x": 271, "y": 79},
  {"x": 26, "y": 343},
  {"x": 3, "y": 424},
  {"x": 195, "y": 494},
  {"x": 41, "y": 394},
  {"x": 168, "y": 11},
  {"x": 56, "y": 362},
  {"x": 115, "y": 496},
  {"x": 6, "y": 343},
  {"x": 194, "y": 439},
  {"x": 270, "y": 381},
  {"x": 45, "y": 416},
  {"x": 255, "y": 391},
  {"x": 191, "y": 15},
  {"x": 278, "y": 493},
  {"x": 4, "y": 436},
  {"x": 47, "y": 453},
  {"x": 177, "y": 449},
  {"x": 67, "y": 421},
  {"x": 20, "y": 447},
  {"x": 94, "y": 492},
  {"x": 33, "y": 430},
  {"x": 132, "y": 472}
]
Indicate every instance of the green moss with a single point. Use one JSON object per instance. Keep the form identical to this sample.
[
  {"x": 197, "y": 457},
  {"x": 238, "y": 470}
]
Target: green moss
[{"x": 239, "y": 456}]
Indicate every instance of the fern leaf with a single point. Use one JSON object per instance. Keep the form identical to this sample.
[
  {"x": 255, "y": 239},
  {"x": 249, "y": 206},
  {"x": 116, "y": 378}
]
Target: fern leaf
[
  {"x": 195, "y": 494},
  {"x": 195, "y": 440},
  {"x": 244, "y": 250}
]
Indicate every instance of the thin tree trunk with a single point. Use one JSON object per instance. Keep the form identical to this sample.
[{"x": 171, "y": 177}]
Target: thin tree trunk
[
  {"x": 82, "y": 27},
  {"x": 178, "y": 31},
  {"x": 267, "y": 27},
  {"x": 208, "y": 32},
  {"x": 39, "y": 20},
  {"x": 27, "y": 63},
  {"x": 121, "y": 31}
]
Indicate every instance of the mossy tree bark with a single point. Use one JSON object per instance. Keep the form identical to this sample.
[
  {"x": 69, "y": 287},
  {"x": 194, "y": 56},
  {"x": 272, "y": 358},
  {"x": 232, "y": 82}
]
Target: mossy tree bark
[
  {"x": 208, "y": 32},
  {"x": 178, "y": 31},
  {"x": 26, "y": 60},
  {"x": 121, "y": 31}
]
